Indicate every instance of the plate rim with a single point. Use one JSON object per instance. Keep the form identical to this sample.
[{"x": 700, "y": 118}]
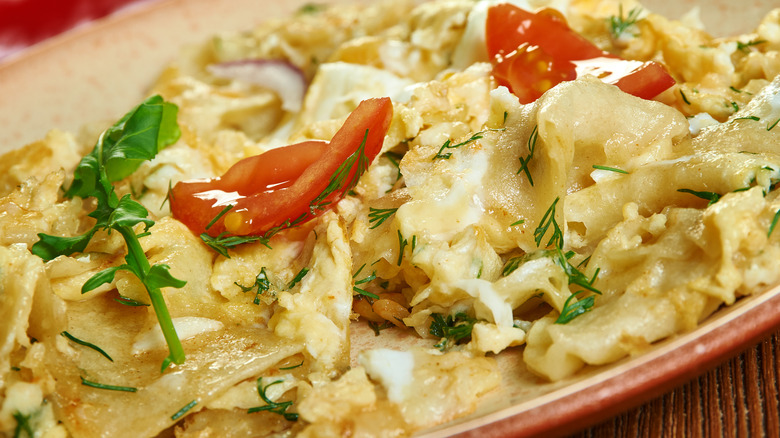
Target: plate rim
[{"x": 583, "y": 403}]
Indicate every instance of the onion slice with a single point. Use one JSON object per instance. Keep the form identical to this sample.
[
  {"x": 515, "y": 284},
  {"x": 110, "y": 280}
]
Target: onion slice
[{"x": 283, "y": 78}]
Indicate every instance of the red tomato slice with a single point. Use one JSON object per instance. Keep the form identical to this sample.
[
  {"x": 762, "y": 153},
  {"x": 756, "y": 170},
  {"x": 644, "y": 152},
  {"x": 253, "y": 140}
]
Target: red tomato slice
[
  {"x": 288, "y": 185},
  {"x": 532, "y": 52},
  {"x": 641, "y": 79},
  {"x": 508, "y": 27},
  {"x": 529, "y": 71}
]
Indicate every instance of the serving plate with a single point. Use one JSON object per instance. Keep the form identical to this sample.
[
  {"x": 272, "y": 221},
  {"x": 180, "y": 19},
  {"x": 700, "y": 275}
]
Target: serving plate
[{"x": 96, "y": 73}]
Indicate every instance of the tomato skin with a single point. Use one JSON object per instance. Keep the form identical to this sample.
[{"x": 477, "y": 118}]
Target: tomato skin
[
  {"x": 529, "y": 71},
  {"x": 197, "y": 202},
  {"x": 532, "y": 52},
  {"x": 279, "y": 186},
  {"x": 508, "y": 27}
]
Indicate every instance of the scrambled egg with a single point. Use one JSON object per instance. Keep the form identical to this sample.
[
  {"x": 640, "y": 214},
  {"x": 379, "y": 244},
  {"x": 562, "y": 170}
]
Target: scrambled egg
[{"x": 459, "y": 267}]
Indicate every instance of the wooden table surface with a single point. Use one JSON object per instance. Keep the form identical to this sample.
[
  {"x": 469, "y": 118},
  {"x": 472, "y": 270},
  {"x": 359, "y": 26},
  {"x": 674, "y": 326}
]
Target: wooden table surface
[{"x": 738, "y": 398}]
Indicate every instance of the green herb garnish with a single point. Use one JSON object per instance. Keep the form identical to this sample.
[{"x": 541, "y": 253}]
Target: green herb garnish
[
  {"x": 395, "y": 160},
  {"x": 341, "y": 180},
  {"x": 23, "y": 425},
  {"x": 378, "y": 327},
  {"x": 448, "y": 144},
  {"x": 219, "y": 215},
  {"x": 611, "y": 169},
  {"x": 272, "y": 406},
  {"x": 312, "y": 8},
  {"x": 773, "y": 224},
  {"x": 119, "y": 151},
  {"x": 368, "y": 279},
  {"x": 125, "y": 301},
  {"x": 86, "y": 382},
  {"x": 87, "y": 344},
  {"x": 745, "y": 47},
  {"x": 180, "y": 413},
  {"x": 548, "y": 219},
  {"x": 684, "y": 98},
  {"x": 223, "y": 242},
  {"x": 576, "y": 277},
  {"x": 298, "y": 277},
  {"x": 618, "y": 24},
  {"x": 711, "y": 197},
  {"x": 574, "y": 309},
  {"x": 402, "y": 243},
  {"x": 527, "y": 159},
  {"x": 292, "y": 367},
  {"x": 261, "y": 285},
  {"x": 769, "y": 127},
  {"x": 451, "y": 329},
  {"x": 377, "y": 216}
]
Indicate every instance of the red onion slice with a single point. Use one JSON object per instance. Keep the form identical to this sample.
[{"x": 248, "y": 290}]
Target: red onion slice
[{"x": 285, "y": 79}]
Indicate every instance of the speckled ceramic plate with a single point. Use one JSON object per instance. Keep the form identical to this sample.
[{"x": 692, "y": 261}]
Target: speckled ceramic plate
[{"x": 97, "y": 72}]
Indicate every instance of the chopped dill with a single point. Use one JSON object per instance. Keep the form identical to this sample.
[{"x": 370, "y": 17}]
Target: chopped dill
[
  {"x": 618, "y": 24},
  {"x": 527, "y": 159}
]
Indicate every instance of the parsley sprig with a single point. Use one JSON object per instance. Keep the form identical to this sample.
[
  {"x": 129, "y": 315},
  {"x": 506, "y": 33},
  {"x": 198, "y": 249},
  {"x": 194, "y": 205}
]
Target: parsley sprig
[
  {"x": 120, "y": 150},
  {"x": 270, "y": 405}
]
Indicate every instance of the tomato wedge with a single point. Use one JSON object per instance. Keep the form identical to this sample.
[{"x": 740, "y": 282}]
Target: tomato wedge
[
  {"x": 286, "y": 186},
  {"x": 533, "y": 52}
]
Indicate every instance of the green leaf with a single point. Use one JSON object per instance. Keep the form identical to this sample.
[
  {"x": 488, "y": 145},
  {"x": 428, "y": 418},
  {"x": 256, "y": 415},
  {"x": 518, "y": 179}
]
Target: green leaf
[
  {"x": 159, "y": 276},
  {"x": 135, "y": 138},
  {"x": 129, "y": 213},
  {"x": 50, "y": 247},
  {"x": 103, "y": 277}
]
